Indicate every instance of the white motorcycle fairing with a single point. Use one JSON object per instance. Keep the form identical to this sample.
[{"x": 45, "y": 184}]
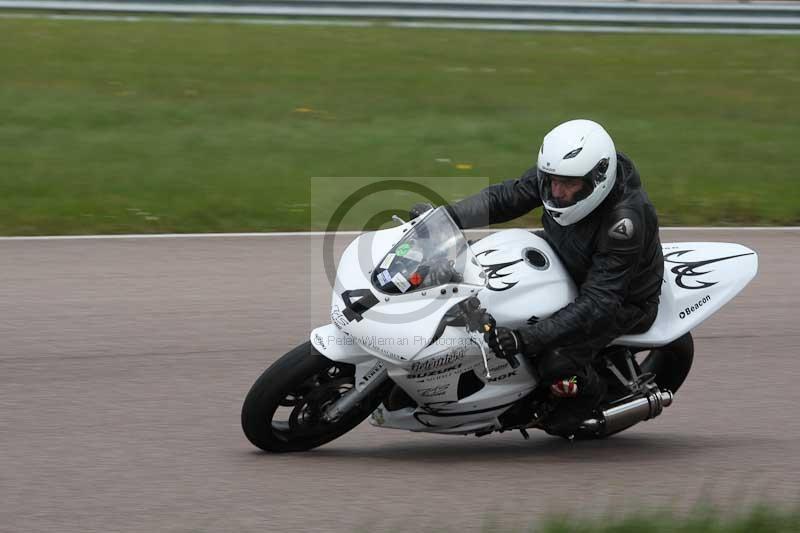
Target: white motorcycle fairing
[
  {"x": 519, "y": 279},
  {"x": 699, "y": 278}
]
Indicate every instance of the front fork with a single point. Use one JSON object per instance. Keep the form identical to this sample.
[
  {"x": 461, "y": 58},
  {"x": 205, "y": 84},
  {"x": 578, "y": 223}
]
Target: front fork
[{"x": 355, "y": 396}]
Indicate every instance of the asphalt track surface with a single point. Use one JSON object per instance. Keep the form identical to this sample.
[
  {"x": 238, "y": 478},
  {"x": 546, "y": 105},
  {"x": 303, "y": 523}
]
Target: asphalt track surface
[{"x": 123, "y": 365}]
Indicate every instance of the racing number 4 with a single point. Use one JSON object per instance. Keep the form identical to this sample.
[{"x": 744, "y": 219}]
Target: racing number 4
[{"x": 364, "y": 300}]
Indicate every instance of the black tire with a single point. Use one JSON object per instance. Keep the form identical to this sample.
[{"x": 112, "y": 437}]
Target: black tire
[
  {"x": 306, "y": 381},
  {"x": 670, "y": 363}
]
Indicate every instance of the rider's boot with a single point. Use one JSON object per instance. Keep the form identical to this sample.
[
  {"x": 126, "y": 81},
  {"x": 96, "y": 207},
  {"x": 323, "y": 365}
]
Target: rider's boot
[{"x": 578, "y": 397}]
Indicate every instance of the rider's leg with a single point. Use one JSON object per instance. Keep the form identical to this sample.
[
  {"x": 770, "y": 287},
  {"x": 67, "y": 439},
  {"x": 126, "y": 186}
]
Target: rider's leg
[{"x": 569, "y": 373}]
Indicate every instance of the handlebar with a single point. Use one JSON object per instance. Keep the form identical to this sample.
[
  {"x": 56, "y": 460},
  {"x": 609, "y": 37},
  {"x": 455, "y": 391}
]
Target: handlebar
[{"x": 479, "y": 320}]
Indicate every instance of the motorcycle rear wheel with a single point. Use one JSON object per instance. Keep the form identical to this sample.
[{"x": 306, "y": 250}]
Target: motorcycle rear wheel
[
  {"x": 299, "y": 386},
  {"x": 670, "y": 363}
]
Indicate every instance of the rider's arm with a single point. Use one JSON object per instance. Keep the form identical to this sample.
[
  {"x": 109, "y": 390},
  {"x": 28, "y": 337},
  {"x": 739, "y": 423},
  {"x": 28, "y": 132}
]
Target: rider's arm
[
  {"x": 498, "y": 203},
  {"x": 619, "y": 246}
]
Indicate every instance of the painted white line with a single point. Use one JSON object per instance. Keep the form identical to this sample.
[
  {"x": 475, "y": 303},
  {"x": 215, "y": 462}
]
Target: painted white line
[
  {"x": 730, "y": 228},
  {"x": 189, "y": 19},
  {"x": 323, "y": 233},
  {"x": 426, "y": 25},
  {"x": 178, "y": 236},
  {"x": 594, "y": 28}
]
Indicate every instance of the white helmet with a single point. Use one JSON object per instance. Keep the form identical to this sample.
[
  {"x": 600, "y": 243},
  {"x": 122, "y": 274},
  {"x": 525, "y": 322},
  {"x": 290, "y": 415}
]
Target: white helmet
[{"x": 577, "y": 149}]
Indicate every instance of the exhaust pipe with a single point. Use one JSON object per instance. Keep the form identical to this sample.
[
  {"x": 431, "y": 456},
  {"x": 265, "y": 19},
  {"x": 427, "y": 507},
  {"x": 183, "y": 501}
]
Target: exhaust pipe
[{"x": 629, "y": 413}]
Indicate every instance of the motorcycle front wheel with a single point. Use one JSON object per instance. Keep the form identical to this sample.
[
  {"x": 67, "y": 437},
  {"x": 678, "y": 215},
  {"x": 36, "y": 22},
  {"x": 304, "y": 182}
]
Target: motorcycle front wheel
[{"x": 283, "y": 410}]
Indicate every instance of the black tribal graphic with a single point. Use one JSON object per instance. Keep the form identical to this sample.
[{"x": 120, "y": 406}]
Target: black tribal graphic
[
  {"x": 493, "y": 272},
  {"x": 687, "y": 269}
]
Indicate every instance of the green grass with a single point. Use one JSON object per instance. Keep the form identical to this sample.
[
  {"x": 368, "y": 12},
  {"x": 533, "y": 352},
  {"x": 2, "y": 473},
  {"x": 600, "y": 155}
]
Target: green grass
[
  {"x": 115, "y": 127},
  {"x": 758, "y": 519}
]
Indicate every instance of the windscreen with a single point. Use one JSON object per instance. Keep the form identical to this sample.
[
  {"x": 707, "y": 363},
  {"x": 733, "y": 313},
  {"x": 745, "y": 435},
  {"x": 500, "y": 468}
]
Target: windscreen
[{"x": 433, "y": 253}]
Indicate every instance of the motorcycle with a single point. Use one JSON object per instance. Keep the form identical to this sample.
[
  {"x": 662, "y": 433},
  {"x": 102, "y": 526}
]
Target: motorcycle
[{"x": 405, "y": 346}]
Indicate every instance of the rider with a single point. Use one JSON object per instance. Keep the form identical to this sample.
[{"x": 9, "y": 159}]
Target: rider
[{"x": 604, "y": 228}]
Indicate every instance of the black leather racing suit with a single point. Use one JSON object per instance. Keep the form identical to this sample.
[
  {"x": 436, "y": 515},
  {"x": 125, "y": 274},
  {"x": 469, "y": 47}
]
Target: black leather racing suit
[{"x": 613, "y": 255}]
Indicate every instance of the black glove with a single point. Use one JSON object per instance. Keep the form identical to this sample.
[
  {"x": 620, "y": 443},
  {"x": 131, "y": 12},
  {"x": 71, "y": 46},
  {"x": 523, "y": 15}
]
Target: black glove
[
  {"x": 419, "y": 210},
  {"x": 504, "y": 342},
  {"x": 442, "y": 272}
]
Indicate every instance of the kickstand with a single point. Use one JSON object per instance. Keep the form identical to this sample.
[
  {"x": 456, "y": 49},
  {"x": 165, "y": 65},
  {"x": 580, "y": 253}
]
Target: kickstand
[{"x": 524, "y": 433}]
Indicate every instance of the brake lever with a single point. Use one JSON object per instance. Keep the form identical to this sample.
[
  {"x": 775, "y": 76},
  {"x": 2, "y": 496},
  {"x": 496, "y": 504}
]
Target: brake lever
[
  {"x": 476, "y": 337},
  {"x": 512, "y": 360},
  {"x": 473, "y": 315},
  {"x": 479, "y": 323}
]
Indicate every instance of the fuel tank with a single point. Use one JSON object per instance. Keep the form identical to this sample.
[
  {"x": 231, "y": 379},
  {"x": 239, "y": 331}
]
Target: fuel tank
[{"x": 526, "y": 279}]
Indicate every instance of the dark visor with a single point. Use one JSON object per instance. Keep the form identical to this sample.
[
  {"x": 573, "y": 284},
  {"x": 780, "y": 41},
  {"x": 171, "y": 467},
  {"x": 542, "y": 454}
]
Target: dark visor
[{"x": 590, "y": 180}]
